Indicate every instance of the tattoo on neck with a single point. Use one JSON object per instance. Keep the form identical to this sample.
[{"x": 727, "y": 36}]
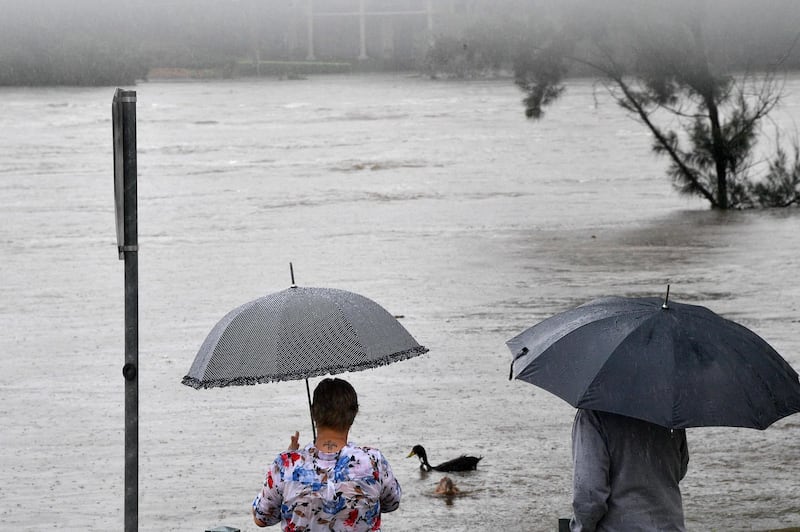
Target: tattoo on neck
[{"x": 330, "y": 445}]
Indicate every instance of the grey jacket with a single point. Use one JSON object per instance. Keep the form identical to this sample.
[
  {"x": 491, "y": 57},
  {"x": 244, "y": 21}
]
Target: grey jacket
[{"x": 626, "y": 474}]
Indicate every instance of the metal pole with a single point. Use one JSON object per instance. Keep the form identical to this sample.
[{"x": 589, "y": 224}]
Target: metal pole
[
  {"x": 310, "y": 38},
  {"x": 362, "y": 32},
  {"x": 125, "y": 129},
  {"x": 430, "y": 23}
]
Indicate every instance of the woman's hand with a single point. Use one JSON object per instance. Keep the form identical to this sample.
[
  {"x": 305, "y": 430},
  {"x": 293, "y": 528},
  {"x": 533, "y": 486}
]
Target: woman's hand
[{"x": 295, "y": 443}]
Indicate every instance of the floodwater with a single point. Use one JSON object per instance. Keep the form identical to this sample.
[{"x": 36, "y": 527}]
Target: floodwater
[{"x": 436, "y": 199}]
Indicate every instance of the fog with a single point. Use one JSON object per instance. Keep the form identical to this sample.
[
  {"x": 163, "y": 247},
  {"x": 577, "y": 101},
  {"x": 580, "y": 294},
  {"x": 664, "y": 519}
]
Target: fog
[{"x": 100, "y": 42}]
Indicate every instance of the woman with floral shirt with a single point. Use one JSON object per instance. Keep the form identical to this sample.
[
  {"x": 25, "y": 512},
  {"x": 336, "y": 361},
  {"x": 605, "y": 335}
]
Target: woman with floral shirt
[{"x": 331, "y": 484}]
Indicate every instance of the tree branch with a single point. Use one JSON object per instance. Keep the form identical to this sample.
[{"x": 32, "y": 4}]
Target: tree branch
[{"x": 676, "y": 158}]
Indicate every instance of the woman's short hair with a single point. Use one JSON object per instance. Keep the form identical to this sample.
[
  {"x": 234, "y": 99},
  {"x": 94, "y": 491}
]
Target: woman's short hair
[{"x": 335, "y": 404}]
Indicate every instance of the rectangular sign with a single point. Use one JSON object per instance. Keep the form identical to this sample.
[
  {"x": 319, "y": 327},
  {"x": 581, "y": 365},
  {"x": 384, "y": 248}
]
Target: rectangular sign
[{"x": 119, "y": 170}]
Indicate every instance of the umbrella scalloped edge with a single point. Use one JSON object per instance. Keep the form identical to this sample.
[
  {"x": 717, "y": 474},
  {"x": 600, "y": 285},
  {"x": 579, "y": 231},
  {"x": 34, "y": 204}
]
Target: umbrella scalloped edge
[{"x": 244, "y": 381}]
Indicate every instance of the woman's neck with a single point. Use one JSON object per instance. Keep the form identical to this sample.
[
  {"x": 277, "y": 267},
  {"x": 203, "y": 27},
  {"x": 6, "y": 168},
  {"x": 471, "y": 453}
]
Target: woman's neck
[{"x": 330, "y": 440}]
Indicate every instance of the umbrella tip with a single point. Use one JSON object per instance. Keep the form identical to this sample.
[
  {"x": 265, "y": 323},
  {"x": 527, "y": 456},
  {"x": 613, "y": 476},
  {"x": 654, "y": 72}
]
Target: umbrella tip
[
  {"x": 291, "y": 273},
  {"x": 666, "y": 300}
]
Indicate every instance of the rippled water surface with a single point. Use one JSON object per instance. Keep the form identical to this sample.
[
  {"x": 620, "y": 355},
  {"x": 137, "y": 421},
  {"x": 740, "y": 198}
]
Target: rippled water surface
[{"x": 437, "y": 200}]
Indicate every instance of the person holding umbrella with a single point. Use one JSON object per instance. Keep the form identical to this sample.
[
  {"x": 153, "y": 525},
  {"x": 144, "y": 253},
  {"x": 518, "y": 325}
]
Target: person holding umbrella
[
  {"x": 626, "y": 473},
  {"x": 331, "y": 484},
  {"x": 640, "y": 370}
]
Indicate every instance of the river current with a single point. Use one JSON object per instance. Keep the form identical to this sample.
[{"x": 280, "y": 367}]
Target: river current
[{"x": 438, "y": 200}]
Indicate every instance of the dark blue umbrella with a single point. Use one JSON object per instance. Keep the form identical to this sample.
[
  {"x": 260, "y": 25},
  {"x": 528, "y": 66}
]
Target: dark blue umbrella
[{"x": 673, "y": 364}]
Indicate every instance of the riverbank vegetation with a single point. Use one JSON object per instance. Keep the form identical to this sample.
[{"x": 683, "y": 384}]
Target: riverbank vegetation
[{"x": 670, "y": 69}]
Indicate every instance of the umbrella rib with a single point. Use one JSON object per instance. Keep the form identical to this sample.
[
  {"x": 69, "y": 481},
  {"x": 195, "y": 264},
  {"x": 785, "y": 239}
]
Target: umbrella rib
[
  {"x": 651, "y": 317},
  {"x": 607, "y": 358},
  {"x": 739, "y": 378}
]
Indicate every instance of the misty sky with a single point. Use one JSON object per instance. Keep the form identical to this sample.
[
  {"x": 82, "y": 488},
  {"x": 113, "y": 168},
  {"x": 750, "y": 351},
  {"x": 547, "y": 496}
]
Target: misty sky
[{"x": 172, "y": 30}]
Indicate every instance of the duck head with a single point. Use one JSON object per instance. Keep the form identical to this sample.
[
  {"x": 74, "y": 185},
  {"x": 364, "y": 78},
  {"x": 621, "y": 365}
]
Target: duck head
[{"x": 419, "y": 452}]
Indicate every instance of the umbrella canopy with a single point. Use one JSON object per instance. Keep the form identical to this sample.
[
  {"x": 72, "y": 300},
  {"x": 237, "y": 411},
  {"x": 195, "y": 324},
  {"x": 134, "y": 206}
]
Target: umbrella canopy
[
  {"x": 298, "y": 333},
  {"x": 676, "y": 365}
]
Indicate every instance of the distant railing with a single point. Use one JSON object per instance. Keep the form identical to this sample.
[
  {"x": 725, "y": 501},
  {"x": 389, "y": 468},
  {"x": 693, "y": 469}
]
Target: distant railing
[{"x": 362, "y": 15}]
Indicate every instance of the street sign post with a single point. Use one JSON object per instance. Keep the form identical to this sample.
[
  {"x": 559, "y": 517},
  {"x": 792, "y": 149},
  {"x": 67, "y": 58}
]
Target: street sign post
[{"x": 123, "y": 114}]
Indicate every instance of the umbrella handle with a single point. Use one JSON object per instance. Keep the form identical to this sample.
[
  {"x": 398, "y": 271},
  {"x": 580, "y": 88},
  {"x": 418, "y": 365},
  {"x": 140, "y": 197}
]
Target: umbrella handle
[
  {"x": 523, "y": 352},
  {"x": 313, "y": 429}
]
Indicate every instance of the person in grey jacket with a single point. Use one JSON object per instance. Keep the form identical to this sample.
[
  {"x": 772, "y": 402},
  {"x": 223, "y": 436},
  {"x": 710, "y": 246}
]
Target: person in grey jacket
[{"x": 626, "y": 474}]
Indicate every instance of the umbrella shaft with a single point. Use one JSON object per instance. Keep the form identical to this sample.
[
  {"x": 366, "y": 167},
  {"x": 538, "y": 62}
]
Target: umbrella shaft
[{"x": 313, "y": 429}]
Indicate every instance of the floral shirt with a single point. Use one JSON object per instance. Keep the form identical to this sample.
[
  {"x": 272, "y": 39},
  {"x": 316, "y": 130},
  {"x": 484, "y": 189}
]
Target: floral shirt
[{"x": 309, "y": 490}]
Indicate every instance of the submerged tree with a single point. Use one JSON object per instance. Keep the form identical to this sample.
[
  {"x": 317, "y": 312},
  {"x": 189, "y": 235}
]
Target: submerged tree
[{"x": 656, "y": 64}]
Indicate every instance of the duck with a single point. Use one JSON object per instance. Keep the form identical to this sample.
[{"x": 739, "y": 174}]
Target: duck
[{"x": 462, "y": 463}]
